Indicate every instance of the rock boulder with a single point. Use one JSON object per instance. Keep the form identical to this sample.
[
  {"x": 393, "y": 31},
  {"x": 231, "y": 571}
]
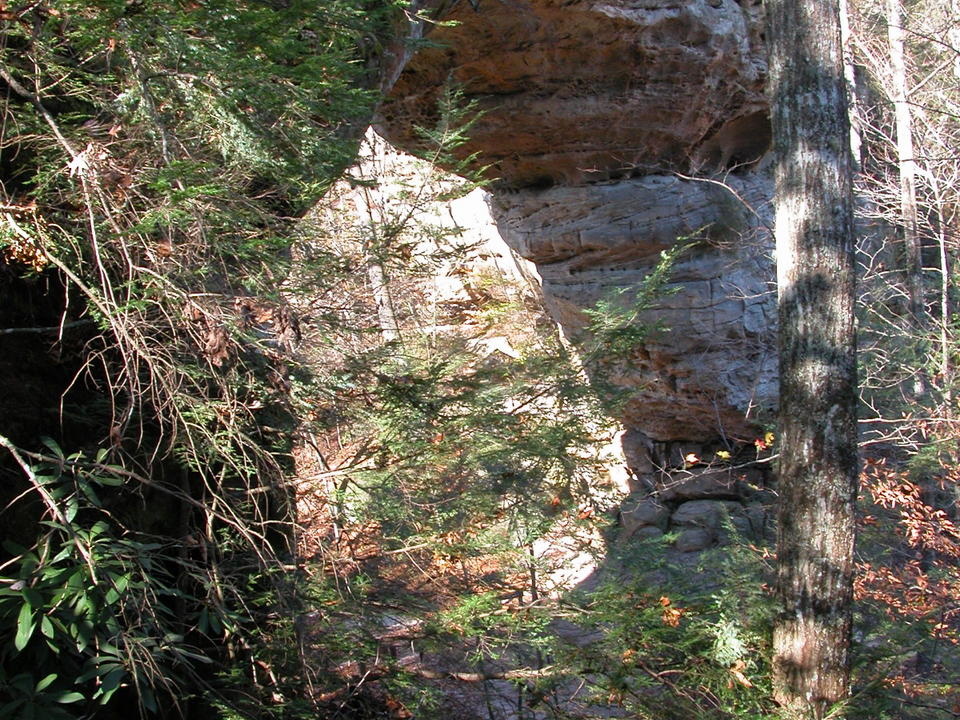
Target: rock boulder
[{"x": 711, "y": 366}]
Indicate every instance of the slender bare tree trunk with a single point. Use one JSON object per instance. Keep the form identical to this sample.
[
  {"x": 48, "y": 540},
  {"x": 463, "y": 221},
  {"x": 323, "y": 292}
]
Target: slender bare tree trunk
[
  {"x": 818, "y": 389},
  {"x": 378, "y": 219},
  {"x": 942, "y": 235},
  {"x": 380, "y": 289},
  {"x": 850, "y": 76},
  {"x": 906, "y": 161},
  {"x": 954, "y": 34}
]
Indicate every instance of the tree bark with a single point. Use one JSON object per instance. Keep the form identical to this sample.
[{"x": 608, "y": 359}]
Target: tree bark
[
  {"x": 906, "y": 161},
  {"x": 850, "y": 77},
  {"x": 818, "y": 432},
  {"x": 380, "y": 289}
]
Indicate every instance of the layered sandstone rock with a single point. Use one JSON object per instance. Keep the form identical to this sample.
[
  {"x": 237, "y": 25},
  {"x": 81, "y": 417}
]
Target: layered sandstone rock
[
  {"x": 575, "y": 91},
  {"x": 711, "y": 368},
  {"x": 615, "y": 129}
]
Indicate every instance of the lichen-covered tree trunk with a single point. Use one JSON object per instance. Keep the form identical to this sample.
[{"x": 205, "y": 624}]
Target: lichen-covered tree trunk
[{"x": 815, "y": 269}]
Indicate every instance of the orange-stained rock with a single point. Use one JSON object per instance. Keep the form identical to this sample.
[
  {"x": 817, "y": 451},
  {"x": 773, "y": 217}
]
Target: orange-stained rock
[{"x": 575, "y": 91}]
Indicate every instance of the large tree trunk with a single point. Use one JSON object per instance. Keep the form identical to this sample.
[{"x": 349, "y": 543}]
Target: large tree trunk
[{"x": 815, "y": 269}]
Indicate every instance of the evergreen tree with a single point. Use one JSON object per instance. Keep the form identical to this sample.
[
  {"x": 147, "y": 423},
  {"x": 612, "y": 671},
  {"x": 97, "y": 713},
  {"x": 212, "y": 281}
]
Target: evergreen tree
[{"x": 155, "y": 160}]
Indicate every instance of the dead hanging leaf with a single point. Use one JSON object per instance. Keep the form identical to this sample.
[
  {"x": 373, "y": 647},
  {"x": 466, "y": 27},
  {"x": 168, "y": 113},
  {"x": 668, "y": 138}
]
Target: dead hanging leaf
[
  {"x": 397, "y": 709},
  {"x": 287, "y": 327},
  {"x": 163, "y": 247},
  {"x": 116, "y": 436},
  {"x": 244, "y": 308},
  {"x": 736, "y": 675},
  {"x": 670, "y": 615},
  {"x": 217, "y": 347},
  {"x": 21, "y": 246},
  {"x": 194, "y": 312}
]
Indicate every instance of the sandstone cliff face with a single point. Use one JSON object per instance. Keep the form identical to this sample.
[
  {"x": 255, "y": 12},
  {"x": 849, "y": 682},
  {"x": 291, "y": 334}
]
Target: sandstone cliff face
[
  {"x": 582, "y": 90},
  {"x": 614, "y": 129},
  {"x": 711, "y": 369}
]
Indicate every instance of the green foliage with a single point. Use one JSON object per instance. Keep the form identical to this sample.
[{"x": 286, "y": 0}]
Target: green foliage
[
  {"x": 162, "y": 171},
  {"x": 156, "y": 157},
  {"x": 462, "y": 440},
  {"x": 456, "y": 118},
  {"x": 451, "y": 455},
  {"x": 679, "y": 642},
  {"x": 617, "y": 327},
  {"x": 88, "y": 609}
]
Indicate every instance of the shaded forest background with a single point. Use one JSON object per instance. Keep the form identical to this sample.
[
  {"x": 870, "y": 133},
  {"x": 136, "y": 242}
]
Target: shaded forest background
[{"x": 197, "y": 337}]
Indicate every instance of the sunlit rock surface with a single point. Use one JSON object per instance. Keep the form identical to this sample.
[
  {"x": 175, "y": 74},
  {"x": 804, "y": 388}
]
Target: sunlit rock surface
[
  {"x": 712, "y": 368},
  {"x": 614, "y": 129}
]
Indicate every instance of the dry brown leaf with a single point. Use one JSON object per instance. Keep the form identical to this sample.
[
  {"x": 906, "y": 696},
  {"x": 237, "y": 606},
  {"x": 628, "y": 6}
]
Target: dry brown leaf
[{"x": 736, "y": 675}]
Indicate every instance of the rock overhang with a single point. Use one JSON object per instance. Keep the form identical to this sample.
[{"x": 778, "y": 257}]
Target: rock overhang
[
  {"x": 615, "y": 129},
  {"x": 574, "y": 91}
]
